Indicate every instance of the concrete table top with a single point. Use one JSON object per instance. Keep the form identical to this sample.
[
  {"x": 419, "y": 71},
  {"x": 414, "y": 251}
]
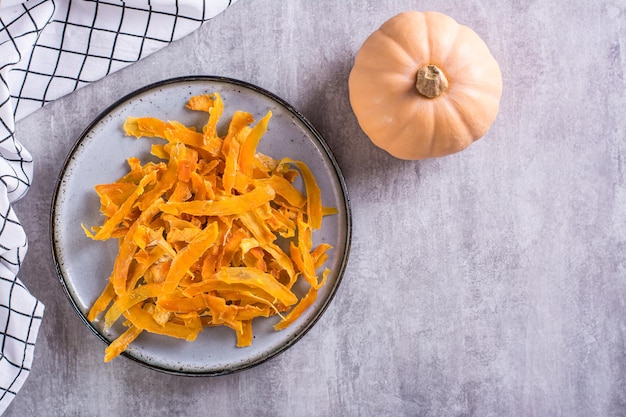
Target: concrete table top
[{"x": 487, "y": 283}]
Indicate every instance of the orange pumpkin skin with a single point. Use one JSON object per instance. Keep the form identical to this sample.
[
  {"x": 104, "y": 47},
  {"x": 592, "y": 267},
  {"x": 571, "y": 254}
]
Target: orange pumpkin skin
[{"x": 395, "y": 115}]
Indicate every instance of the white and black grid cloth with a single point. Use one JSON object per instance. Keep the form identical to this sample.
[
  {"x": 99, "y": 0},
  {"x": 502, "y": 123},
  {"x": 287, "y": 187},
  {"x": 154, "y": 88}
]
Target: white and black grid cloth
[{"x": 48, "y": 49}]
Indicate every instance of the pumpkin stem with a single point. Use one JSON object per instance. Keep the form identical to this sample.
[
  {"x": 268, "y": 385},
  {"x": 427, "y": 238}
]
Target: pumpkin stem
[{"x": 431, "y": 81}]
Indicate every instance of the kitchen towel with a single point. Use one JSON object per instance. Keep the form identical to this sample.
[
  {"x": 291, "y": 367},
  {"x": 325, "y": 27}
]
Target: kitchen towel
[{"x": 48, "y": 49}]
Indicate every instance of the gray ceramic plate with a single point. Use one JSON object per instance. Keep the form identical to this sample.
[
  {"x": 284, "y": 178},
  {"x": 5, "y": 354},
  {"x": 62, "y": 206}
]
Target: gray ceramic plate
[{"x": 99, "y": 156}]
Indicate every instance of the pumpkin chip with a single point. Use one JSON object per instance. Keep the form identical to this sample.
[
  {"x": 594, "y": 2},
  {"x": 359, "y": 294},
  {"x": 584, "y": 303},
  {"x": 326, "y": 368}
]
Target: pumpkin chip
[{"x": 216, "y": 234}]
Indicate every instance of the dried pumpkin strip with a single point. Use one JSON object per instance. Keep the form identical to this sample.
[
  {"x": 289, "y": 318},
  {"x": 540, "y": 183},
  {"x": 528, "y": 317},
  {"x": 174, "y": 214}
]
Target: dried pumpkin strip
[
  {"x": 187, "y": 162},
  {"x": 102, "y": 302},
  {"x": 126, "y": 301},
  {"x": 248, "y": 147},
  {"x": 138, "y": 171},
  {"x": 158, "y": 150},
  {"x": 189, "y": 255},
  {"x": 226, "y": 314},
  {"x": 256, "y": 279},
  {"x": 283, "y": 260},
  {"x": 229, "y": 205},
  {"x": 145, "y": 126},
  {"x": 175, "y": 222},
  {"x": 181, "y": 192},
  {"x": 263, "y": 165},
  {"x": 231, "y": 244},
  {"x": 277, "y": 224},
  {"x": 238, "y": 123},
  {"x": 249, "y": 312},
  {"x": 122, "y": 342},
  {"x": 179, "y": 133},
  {"x": 225, "y": 290},
  {"x": 165, "y": 245},
  {"x": 127, "y": 249},
  {"x": 181, "y": 235},
  {"x": 231, "y": 146},
  {"x": 156, "y": 128},
  {"x": 244, "y": 338},
  {"x": 200, "y": 188},
  {"x": 201, "y": 102},
  {"x": 190, "y": 320},
  {"x": 307, "y": 301},
  {"x": 113, "y": 195},
  {"x": 145, "y": 259},
  {"x": 212, "y": 104},
  {"x": 248, "y": 244},
  {"x": 173, "y": 132},
  {"x": 301, "y": 254},
  {"x": 215, "y": 113},
  {"x": 319, "y": 254},
  {"x": 181, "y": 304},
  {"x": 250, "y": 305},
  {"x": 285, "y": 189},
  {"x": 156, "y": 273},
  {"x": 107, "y": 206},
  {"x": 313, "y": 193},
  {"x": 297, "y": 311},
  {"x": 220, "y": 311},
  {"x": 144, "y": 235},
  {"x": 255, "y": 258},
  {"x": 257, "y": 226},
  {"x": 144, "y": 320},
  {"x": 112, "y": 222},
  {"x": 165, "y": 183},
  {"x": 160, "y": 315}
]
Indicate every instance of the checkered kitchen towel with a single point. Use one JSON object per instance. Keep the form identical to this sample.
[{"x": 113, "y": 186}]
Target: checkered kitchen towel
[{"x": 49, "y": 48}]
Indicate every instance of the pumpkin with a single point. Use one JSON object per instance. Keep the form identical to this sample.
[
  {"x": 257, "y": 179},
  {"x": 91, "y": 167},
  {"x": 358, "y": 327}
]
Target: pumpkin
[{"x": 424, "y": 86}]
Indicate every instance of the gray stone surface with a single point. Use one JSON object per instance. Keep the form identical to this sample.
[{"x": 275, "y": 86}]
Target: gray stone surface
[{"x": 487, "y": 283}]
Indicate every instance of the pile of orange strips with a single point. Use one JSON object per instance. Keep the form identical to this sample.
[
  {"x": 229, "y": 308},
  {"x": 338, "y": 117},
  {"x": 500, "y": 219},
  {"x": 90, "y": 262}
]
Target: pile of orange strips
[{"x": 215, "y": 234}]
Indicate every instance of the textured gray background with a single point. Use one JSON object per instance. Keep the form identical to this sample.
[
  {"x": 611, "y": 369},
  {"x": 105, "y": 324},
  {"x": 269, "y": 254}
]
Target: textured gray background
[{"x": 487, "y": 283}]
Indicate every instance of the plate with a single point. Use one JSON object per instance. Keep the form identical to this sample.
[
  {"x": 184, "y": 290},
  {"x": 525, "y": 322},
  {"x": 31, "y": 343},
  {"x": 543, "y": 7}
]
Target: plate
[{"x": 99, "y": 156}]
